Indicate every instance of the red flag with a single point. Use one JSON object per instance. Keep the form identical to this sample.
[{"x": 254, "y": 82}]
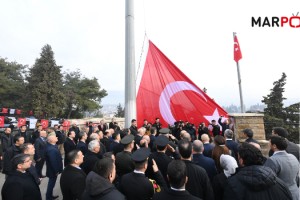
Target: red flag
[
  {"x": 21, "y": 122},
  {"x": 44, "y": 123},
  {"x": 18, "y": 112},
  {"x": 236, "y": 50},
  {"x": 4, "y": 110},
  {"x": 30, "y": 112},
  {"x": 66, "y": 125},
  {"x": 1, "y": 121},
  {"x": 167, "y": 93}
]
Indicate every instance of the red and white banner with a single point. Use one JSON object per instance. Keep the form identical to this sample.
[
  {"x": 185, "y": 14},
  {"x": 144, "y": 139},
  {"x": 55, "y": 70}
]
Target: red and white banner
[
  {"x": 45, "y": 123},
  {"x": 4, "y": 110},
  {"x": 66, "y": 125},
  {"x": 167, "y": 93},
  {"x": 21, "y": 122}
]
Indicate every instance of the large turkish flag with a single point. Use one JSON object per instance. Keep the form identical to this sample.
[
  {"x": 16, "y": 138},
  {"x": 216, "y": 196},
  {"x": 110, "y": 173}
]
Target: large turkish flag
[{"x": 167, "y": 93}]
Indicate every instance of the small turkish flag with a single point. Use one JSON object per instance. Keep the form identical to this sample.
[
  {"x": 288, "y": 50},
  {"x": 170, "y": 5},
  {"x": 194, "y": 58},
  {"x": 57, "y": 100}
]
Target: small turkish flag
[
  {"x": 1, "y": 121},
  {"x": 18, "y": 112},
  {"x": 167, "y": 93},
  {"x": 44, "y": 123},
  {"x": 21, "y": 122},
  {"x": 4, "y": 110},
  {"x": 66, "y": 125},
  {"x": 236, "y": 49}
]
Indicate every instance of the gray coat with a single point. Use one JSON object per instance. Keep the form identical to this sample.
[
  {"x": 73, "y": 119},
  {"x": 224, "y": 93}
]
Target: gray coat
[{"x": 286, "y": 166}]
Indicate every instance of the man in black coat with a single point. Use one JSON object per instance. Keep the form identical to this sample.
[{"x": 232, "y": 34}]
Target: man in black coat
[
  {"x": 10, "y": 153},
  {"x": 91, "y": 157},
  {"x": 160, "y": 157},
  {"x": 178, "y": 178},
  {"x": 82, "y": 145},
  {"x": 124, "y": 163},
  {"x": 72, "y": 180},
  {"x": 99, "y": 182},
  {"x": 69, "y": 145},
  {"x": 7, "y": 139},
  {"x": 136, "y": 185},
  {"x": 231, "y": 144},
  {"x": 22, "y": 132},
  {"x": 198, "y": 183},
  {"x": 36, "y": 133},
  {"x": 224, "y": 124},
  {"x": 253, "y": 180},
  {"x": 75, "y": 128},
  {"x": 20, "y": 185},
  {"x": 54, "y": 165},
  {"x": 40, "y": 151},
  {"x": 133, "y": 127}
]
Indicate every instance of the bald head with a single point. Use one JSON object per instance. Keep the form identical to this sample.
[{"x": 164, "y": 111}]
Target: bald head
[
  {"x": 255, "y": 144},
  {"x": 198, "y": 146},
  {"x": 204, "y": 138}
]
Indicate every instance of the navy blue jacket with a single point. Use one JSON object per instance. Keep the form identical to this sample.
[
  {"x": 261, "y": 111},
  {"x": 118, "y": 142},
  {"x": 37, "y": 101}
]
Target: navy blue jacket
[
  {"x": 40, "y": 149},
  {"x": 233, "y": 146},
  {"x": 53, "y": 161},
  {"x": 206, "y": 163}
]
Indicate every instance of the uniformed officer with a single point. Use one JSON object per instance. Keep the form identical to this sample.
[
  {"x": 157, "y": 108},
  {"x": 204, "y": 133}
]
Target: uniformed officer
[
  {"x": 124, "y": 163},
  {"x": 136, "y": 185}
]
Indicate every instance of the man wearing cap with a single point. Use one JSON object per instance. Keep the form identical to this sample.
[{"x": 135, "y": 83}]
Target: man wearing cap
[
  {"x": 136, "y": 185},
  {"x": 160, "y": 157},
  {"x": 171, "y": 141},
  {"x": 124, "y": 163}
]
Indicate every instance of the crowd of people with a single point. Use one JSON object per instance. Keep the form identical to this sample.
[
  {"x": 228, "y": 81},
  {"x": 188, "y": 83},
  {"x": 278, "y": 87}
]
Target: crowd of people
[{"x": 176, "y": 162}]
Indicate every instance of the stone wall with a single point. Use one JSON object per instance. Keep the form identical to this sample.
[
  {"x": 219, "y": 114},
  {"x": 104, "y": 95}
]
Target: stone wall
[{"x": 254, "y": 121}]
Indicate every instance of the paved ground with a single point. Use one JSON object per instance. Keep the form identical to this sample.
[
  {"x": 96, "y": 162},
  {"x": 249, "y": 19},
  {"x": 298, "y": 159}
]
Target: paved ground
[{"x": 43, "y": 186}]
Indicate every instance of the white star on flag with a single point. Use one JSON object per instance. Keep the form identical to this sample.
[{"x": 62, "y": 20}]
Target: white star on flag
[{"x": 214, "y": 116}]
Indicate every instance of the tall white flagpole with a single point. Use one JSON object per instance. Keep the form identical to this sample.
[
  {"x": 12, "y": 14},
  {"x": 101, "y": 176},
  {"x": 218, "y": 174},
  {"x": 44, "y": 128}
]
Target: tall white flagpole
[
  {"x": 130, "y": 74},
  {"x": 239, "y": 81}
]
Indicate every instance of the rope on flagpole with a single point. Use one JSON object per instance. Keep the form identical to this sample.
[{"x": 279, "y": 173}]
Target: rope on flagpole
[{"x": 141, "y": 56}]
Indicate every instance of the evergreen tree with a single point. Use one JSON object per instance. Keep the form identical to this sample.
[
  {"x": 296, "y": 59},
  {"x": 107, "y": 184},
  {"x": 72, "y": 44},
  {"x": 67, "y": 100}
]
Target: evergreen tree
[
  {"x": 12, "y": 84},
  {"x": 274, "y": 101},
  {"x": 292, "y": 122},
  {"x": 274, "y": 112},
  {"x": 45, "y": 85},
  {"x": 82, "y": 94},
  {"x": 120, "y": 111}
]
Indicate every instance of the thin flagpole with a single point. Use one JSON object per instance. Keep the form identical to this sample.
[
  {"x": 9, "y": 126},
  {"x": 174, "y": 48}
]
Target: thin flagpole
[{"x": 239, "y": 82}]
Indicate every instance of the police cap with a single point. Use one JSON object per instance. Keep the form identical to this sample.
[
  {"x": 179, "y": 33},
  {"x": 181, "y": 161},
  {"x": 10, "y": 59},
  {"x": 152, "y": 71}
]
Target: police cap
[
  {"x": 140, "y": 155},
  {"x": 127, "y": 139},
  {"x": 164, "y": 131},
  {"x": 161, "y": 140}
]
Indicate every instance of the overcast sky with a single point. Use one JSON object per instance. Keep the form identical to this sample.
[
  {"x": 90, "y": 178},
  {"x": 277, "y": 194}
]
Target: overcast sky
[{"x": 195, "y": 35}]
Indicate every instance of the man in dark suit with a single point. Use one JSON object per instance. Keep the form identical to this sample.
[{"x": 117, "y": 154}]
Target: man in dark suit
[
  {"x": 208, "y": 147},
  {"x": 40, "y": 151},
  {"x": 69, "y": 145},
  {"x": 72, "y": 180},
  {"x": 54, "y": 165},
  {"x": 82, "y": 145},
  {"x": 6, "y": 139},
  {"x": 20, "y": 184},
  {"x": 133, "y": 127},
  {"x": 231, "y": 144},
  {"x": 91, "y": 157},
  {"x": 136, "y": 185},
  {"x": 76, "y": 130},
  {"x": 205, "y": 162},
  {"x": 198, "y": 183},
  {"x": 178, "y": 178}
]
